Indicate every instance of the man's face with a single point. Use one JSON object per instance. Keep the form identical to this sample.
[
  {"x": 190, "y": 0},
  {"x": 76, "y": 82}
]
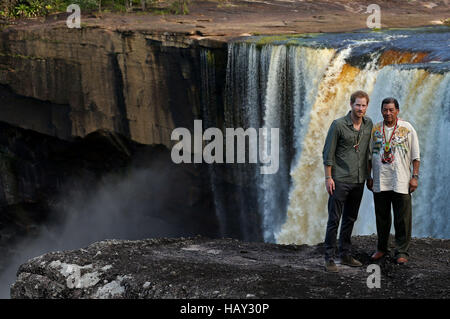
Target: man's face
[
  {"x": 359, "y": 108},
  {"x": 389, "y": 113}
]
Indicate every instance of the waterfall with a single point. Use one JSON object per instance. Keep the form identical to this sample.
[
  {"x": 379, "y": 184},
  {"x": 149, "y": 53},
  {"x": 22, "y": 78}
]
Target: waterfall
[
  {"x": 309, "y": 67},
  {"x": 273, "y": 185},
  {"x": 300, "y": 86},
  {"x": 266, "y": 88},
  {"x": 209, "y": 110}
]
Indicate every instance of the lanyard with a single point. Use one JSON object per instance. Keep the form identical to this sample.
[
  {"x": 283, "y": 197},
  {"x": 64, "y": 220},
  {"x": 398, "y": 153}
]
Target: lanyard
[
  {"x": 388, "y": 144},
  {"x": 358, "y": 140}
]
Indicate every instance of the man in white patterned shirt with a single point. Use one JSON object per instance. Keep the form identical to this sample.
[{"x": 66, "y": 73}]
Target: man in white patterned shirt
[{"x": 394, "y": 147}]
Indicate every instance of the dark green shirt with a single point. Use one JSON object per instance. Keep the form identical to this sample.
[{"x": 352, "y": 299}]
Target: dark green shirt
[{"x": 348, "y": 165}]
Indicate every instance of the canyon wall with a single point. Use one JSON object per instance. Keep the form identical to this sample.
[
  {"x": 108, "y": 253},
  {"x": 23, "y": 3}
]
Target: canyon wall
[{"x": 67, "y": 82}]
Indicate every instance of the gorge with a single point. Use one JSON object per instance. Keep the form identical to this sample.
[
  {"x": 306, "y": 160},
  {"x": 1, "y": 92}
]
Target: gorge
[{"x": 138, "y": 86}]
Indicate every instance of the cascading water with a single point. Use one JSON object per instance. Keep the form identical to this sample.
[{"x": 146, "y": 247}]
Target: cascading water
[
  {"x": 209, "y": 109},
  {"x": 301, "y": 84},
  {"x": 274, "y": 106},
  {"x": 265, "y": 86}
]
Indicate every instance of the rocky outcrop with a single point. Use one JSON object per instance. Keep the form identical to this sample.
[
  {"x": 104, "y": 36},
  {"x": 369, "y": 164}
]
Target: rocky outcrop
[
  {"x": 226, "y": 268},
  {"x": 141, "y": 85}
]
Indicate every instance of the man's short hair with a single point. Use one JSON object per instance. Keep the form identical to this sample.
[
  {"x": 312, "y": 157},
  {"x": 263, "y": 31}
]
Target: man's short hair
[
  {"x": 359, "y": 94},
  {"x": 390, "y": 100}
]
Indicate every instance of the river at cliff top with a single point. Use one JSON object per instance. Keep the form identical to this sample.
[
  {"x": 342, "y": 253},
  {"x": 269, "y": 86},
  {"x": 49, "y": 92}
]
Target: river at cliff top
[{"x": 435, "y": 41}]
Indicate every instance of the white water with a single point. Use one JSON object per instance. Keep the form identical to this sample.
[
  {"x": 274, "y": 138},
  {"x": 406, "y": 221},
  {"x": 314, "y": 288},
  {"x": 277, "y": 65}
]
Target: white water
[
  {"x": 273, "y": 84},
  {"x": 273, "y": 108}
]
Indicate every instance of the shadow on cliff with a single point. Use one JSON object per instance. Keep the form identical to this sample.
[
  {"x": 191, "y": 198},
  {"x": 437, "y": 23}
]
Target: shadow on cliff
[{"x": 145, "y": 196}]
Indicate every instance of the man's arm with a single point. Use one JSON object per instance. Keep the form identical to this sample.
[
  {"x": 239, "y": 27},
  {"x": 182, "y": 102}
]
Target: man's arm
[
  {"x": 369, "y": 181},
  {"x": 329, "y": 182},
  {"x": 414, "y": 182},
  {"x": 415, "y": 155},
  {"x": 329, "y": 150}
]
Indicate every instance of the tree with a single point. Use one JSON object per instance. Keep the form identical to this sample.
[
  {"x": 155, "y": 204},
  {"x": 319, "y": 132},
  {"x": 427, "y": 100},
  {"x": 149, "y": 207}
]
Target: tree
[
  {"x": 129, "y": 5},
  {"x": 8, "y": 5},
  {"x": 180, "y": 7}
]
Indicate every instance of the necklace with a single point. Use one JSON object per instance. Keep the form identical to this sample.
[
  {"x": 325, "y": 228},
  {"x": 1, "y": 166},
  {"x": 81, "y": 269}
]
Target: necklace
[
  {"x": 388, "y": 156},
  {"x": 357, "y": 141}
]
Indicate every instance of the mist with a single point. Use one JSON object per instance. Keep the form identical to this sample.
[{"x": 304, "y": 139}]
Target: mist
[{"x": 131, "y": 207}]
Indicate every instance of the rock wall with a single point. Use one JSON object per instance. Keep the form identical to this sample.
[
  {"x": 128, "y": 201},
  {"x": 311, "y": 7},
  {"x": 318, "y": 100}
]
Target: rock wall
[{"x": 139, "y": 84}]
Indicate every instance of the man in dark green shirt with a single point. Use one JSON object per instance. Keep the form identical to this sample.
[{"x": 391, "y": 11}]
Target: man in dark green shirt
[{"x": 345, "y": 158}]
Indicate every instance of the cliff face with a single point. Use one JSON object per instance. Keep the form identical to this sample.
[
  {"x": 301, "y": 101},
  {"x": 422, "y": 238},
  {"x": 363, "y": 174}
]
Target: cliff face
[
  {"x": 66, "y": 84},
  {"x": 139, "y": 84},
  {"x": 206, "y": 268}
]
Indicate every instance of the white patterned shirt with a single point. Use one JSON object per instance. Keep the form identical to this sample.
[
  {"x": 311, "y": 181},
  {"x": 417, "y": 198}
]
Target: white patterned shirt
[{"x": 394, "y": 176}]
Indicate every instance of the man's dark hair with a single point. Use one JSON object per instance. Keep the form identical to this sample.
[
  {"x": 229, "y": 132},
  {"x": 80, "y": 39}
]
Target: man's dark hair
[
  {"x": 390, "y": 100},
  {"x": 359, "y": 94}
]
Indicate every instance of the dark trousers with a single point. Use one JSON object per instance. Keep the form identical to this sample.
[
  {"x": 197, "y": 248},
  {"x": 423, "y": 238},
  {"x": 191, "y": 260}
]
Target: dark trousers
[
  {"x": 344, "y": 202},
  {"x": 401, "y": 204}
]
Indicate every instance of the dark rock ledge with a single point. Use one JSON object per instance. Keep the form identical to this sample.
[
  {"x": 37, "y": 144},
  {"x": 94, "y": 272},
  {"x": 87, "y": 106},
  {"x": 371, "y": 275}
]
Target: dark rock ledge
[{"x": 227, "y": 268}]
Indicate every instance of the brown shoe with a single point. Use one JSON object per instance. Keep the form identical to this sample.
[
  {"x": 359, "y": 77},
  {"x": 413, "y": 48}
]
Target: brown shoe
[
  {"x": 330, "y": 266},
  {"x": 402, "y": 260},
  {"x": 350, "y": 261},
  {"x": 377, "y": 255}
]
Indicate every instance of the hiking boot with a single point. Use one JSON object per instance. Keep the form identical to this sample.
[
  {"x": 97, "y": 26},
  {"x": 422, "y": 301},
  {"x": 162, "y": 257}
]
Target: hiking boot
[
  {"x": 330, "y": 266},
  {"x": 350, "y": 261}
]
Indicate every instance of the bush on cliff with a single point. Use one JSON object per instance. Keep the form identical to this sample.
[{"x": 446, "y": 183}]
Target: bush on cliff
[{"x": 36, "y": 8}]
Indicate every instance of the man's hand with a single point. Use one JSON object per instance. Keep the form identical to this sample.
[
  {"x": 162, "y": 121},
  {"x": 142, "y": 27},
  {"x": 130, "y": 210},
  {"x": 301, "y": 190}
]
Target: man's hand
[
  {"x": 413, "y": 183},
  {"x": 329, "y": 182},
  {"x": 369, "y": 184}
]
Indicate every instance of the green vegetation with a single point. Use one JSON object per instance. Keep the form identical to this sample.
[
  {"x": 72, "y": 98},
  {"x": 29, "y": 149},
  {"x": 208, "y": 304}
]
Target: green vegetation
[
  {"x": 287, "y": 39},
  {"x": 36, "y": 8},
  {"x": 446, "y": 21},
  {"x": 30, "y": 8},
  {"x": 179, "y": 7}
]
